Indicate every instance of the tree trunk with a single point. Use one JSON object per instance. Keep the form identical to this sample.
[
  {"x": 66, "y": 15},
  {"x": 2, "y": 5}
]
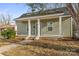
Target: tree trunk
[{"x": 76, "y": 20}]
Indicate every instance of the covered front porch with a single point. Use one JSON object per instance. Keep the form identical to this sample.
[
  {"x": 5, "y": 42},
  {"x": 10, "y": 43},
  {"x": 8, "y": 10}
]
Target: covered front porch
[{"x": 46, "y": 26}]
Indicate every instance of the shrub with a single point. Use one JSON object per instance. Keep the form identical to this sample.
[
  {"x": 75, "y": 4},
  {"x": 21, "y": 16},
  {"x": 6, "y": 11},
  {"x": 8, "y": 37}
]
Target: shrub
[{"x": 8, "y": 33}]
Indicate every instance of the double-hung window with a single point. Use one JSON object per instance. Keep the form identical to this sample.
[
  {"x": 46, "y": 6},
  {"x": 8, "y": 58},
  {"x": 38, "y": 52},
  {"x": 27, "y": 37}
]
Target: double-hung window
[{"x": 50, "y": 26}]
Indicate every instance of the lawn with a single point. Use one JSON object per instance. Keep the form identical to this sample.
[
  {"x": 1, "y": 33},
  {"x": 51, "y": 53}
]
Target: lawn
[
  {"x": 3, "y": 43},
  {"x": 46, "y": 48}
]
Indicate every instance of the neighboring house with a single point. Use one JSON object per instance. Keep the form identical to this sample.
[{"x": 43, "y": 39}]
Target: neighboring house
[
  {"x": 2, "y": 27},
  {"x": 49, "y": 23}
]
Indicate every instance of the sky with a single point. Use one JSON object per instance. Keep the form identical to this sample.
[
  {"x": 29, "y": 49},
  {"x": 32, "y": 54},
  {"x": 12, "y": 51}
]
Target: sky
[{"x": 13, "y": 9}]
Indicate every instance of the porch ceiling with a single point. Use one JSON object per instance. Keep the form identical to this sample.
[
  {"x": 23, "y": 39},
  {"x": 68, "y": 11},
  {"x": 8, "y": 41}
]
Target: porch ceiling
[{"x": 40, "y": 17}]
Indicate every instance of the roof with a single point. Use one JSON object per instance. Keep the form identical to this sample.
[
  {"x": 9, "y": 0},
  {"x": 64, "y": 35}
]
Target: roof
[
  {"x": 45, "y": 12},
  {"x": 4, "y": 26}
]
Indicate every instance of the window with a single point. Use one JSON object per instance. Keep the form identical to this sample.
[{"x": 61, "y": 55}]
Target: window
[{"x": 49, "y": 26}]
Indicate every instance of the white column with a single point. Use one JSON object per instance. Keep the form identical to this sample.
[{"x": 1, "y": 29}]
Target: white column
[
  {"x": 60, "y": 25},
  {"x": 16, "y": 29},
  {"x": 71, "y": 27},
  {"x": 29, "y": 27},
  {"x": 38, "y": 27}
]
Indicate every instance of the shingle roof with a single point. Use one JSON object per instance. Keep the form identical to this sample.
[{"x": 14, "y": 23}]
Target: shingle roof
[{"x": 51, "y": 11}]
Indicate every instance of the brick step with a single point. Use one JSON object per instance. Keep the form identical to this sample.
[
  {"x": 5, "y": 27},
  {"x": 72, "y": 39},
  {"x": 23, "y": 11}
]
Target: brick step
[
  {"x": 54, "y": 38},
  {"x": 31, "y": 38}
]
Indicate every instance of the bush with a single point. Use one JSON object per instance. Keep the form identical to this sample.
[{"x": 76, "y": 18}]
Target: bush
[{"x": 8, "y": 33}]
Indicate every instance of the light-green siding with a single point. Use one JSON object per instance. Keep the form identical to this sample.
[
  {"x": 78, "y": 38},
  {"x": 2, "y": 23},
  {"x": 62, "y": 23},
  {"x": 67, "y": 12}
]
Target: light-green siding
[
  {"x": 55, "y": 27},
  {"x": 66, "y": 27},
  {"x": 22, "y": 27}
]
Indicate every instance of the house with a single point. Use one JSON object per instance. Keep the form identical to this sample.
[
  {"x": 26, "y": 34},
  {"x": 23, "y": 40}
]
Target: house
[
  {"x": 4, "y": 26},
  {"x": 49, "y": 23}
]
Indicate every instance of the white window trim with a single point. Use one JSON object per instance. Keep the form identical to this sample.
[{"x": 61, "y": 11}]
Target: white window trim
[{"x": 50, "y": 26}]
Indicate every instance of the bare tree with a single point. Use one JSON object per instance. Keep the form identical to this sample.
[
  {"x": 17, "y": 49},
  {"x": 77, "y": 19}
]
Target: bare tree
[
  {"x": 73, "y": 10},
  {"x": 44, "y": 6},
  {"x": 37, "y": 6},
  {"x": 5, "y": 19}
]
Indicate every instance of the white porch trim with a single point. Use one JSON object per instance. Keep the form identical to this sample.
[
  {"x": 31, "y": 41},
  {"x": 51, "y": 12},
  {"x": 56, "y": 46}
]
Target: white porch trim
[
  {"x": 16, "y": 30},
  {"x": 41, "y": 17},
  {"x": 38, "y": 23},
  {"x": 60, "y": 26},
  {"x": 29, "y": 27},
  {"x": 66, "y": 16},
  {"x": 71, "y": 26}
]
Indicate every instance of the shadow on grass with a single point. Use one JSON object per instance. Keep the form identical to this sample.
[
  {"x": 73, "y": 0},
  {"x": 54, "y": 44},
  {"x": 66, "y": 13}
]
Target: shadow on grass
[{"x": 54, "y": 46}]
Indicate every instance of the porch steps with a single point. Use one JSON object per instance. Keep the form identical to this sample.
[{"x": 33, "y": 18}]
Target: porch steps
[
  {"x": 55, "y": 38},
  {"x": 52, "y": 38},
  {"x": 34, "y": 38},
  {"x": 31, "y": 38}
]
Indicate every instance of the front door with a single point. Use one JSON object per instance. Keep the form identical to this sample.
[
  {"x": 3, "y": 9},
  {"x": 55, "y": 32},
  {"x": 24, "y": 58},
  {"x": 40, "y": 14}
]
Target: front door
[{"x": 34, "y": 28}]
